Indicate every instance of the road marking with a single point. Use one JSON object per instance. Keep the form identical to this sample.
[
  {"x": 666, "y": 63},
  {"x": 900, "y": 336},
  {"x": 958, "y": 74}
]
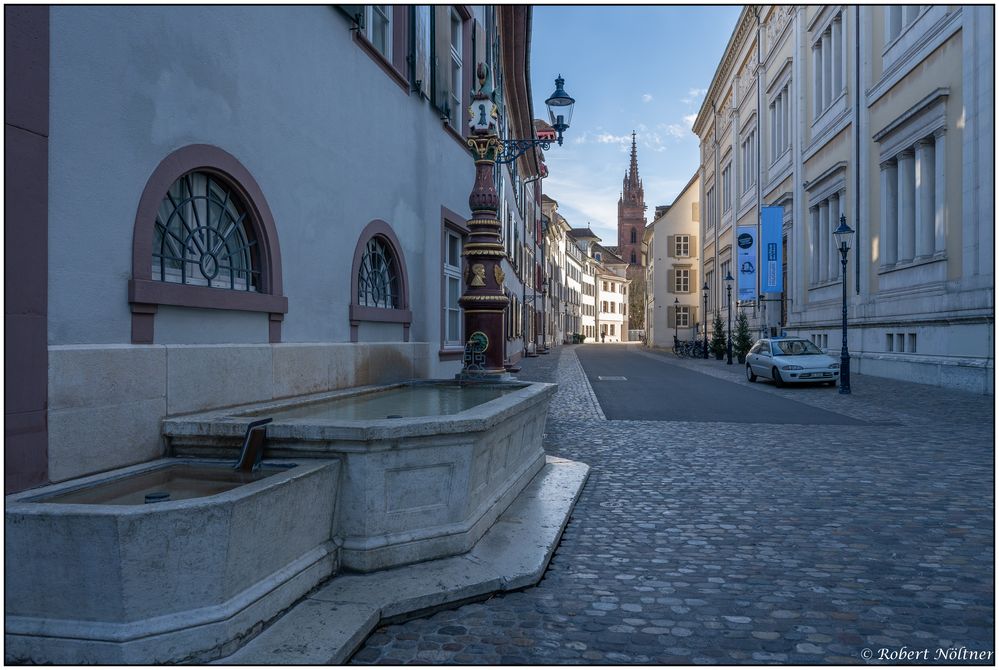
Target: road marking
[{"x": 612, "y": 379}]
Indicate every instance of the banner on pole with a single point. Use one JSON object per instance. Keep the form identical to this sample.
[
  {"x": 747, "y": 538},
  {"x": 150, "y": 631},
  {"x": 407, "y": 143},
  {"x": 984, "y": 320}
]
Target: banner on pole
[
  {"x": 771, "y": 226},
  {"x": 746, "y": 257}
]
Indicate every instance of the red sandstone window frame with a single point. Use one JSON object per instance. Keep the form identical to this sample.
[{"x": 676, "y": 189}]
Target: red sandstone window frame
[
  {"x": 145, "y": 294},
  {"x": 362, "y": 313}
]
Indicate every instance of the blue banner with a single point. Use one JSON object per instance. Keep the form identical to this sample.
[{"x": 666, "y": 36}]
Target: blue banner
[
  {"x": 745, "y": 238},
  {"x": 771, "y": 256}
]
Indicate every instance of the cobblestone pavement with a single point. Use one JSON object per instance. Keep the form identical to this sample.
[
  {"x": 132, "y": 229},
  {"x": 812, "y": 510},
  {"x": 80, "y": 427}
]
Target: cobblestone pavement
[{"x": 749, "y": 543}]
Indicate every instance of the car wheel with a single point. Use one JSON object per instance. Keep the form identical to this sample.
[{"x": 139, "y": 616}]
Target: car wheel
[
  {"x": 750, "y": 375},
  {"x": 778, "y": 380},
  {"x": 832, "y": 383}
]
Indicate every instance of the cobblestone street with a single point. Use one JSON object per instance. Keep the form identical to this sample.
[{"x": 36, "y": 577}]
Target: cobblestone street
[{"x": 715, "y": 542}]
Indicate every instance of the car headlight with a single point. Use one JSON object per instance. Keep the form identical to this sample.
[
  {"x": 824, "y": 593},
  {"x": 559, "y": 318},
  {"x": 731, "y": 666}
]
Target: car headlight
[
  {"x": 792, "y": 367},
  {"x": 834, "y": 366}
]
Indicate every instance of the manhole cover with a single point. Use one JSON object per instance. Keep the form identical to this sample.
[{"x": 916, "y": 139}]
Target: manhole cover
[{"x": 612, "y": 379}]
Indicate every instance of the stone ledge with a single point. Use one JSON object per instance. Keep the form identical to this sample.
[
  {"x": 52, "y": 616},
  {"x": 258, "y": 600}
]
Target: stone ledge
[{"x": 328, "y": 626}]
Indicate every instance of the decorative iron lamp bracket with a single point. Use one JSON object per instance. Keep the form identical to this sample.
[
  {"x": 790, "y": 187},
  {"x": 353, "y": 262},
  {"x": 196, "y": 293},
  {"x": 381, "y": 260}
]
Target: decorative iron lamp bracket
[{"x": 514, "y": 149}]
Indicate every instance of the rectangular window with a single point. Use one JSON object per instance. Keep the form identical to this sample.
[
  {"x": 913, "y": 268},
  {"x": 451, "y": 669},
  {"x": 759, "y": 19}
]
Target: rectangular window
[
  {"x": 682, "y": 280},
  {"x": 452, "y": 288},
  {"x": 455, "y": 103},
  {"x": 378, "y": 28},
  {"x": 900, "y": 342},
  {"x": 682, "y": 243},
  {"x": 726, "y": 187},
  {"x": 612, "y": 329},
  {"x": 780, "y": 122},
  {"x": 726, "y": 268},
  {"x": 683, "y": 316},
  {"x": 749, "y": 161},
  {"x": 912, "y": 343}
]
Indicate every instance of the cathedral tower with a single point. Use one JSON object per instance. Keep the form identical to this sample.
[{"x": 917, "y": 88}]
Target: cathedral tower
[{"x": 631, "y": 215}]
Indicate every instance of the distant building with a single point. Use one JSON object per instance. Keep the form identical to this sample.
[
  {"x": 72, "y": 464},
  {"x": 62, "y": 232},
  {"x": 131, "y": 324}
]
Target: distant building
[{"x": 672, "y": 251}]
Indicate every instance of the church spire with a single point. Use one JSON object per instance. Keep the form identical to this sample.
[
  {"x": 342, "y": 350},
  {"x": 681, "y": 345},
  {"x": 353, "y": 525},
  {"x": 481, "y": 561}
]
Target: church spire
[{"x": 633, "y": 171}]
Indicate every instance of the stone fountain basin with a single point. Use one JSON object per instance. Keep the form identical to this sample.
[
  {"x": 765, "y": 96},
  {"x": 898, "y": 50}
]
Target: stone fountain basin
[
  {"x": 164, "y": 582},
  {"x": 413, "y": 488}
]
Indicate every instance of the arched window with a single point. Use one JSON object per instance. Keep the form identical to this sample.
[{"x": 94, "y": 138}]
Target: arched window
[
  {"x": 379, "y": 288},
  {"x": 634, "y": 237},
  {"x": 200, "y": 236},
  {"x": 204, "y": 237},
  {"x": 633, "y": 257},
  {"x": 378, "y": 277}
]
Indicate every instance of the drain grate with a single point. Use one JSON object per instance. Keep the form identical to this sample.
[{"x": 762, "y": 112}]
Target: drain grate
[{"x": 612, "y": 379}]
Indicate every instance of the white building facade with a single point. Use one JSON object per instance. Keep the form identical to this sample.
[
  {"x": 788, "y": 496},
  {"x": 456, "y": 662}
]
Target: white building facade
[{"x": 882, "y": 115}]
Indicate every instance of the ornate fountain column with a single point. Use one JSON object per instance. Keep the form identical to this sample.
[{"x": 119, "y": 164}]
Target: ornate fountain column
[{"x": 483, "y": 300}]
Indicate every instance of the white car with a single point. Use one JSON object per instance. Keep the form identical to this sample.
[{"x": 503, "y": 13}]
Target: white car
[{"x": 790, "y": 359}]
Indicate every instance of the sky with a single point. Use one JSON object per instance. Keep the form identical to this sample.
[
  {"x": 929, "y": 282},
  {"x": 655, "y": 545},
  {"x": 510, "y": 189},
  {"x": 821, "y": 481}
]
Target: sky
[{"x": 639, "y": 68}]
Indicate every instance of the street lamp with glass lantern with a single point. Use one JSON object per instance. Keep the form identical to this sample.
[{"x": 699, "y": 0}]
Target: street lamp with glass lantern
[
  {"x": 728, "y": 308},
  {"x": 844, "y": 235},
  {"x": 704, "y": 320}
]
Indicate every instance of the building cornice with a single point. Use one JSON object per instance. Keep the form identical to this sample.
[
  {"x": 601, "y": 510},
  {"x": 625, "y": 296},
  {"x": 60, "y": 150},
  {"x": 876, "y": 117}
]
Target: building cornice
[{"x": 735, "y": 42}]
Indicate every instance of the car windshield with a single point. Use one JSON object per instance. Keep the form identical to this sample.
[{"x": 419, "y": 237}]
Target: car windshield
[{"x": 795, "y": 348}]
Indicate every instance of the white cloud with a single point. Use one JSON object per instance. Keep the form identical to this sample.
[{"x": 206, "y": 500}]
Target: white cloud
[
  {"x": 609, "y": 138},
  {"x": 689, "y": 120},
  {"x": 675, "y": 130},
  {"x": 693, "y": 95},
  {"x": 646, "y": 97}
]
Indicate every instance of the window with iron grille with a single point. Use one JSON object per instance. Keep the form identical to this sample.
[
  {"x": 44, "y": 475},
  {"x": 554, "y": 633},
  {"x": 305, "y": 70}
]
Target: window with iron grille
[
  {"x": 200, "y": 236},
  {"x": 378, "y": 276}
]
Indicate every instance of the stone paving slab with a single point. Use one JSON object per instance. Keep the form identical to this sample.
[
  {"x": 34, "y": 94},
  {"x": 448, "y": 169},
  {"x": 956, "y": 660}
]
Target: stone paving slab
[
  {"x": 329, "y": 624},
  {"x": 723, "y": 543}
]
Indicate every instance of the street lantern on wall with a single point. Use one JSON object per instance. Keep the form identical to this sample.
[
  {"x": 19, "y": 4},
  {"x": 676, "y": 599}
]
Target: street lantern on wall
[
  {"x": 844, "y": 236},
  {"x": 560, "y": 105}
]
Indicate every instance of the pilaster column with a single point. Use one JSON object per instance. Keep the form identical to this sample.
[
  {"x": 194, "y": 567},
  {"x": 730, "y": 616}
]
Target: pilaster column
[
  {"x": 835, "y": 205},
  {"x": 827, "y": 68},
  {"x": 817, "y": 69},
  {"x": 940, "y": 192},
  {"x": 825, "y": 240},
  {"x": 813, "y": 233},
  {"x": 888, "y": 247},
  {"x": 906, "y": 206},
  {"x": 837, "y": 56},
  {"x": 925, "y": 194}
]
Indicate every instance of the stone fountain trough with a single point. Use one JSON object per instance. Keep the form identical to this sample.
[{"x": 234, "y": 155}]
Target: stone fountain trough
[
  {"x": 426, "y": 466},
  {"x": 94, "y": 574}
]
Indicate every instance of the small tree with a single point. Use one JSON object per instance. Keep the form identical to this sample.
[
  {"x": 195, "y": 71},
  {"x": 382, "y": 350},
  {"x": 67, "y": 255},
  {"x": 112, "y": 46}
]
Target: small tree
[
  {"x": 743, "y": 339},
  {"x": 718, "y": 342}
]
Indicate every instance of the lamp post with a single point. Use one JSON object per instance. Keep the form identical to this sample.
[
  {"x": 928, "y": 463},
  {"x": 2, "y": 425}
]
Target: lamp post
[
  {"x": 704, "y": 319},
  {"x": 844, "y": 235},
  {"x": 676, "y": 321},
  {"x": 483, "y": 299},
  {"x": 728, "y": 308}
]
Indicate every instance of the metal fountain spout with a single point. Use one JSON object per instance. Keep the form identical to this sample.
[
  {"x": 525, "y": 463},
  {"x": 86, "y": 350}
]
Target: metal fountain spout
[{"x": 253, "y": 446}]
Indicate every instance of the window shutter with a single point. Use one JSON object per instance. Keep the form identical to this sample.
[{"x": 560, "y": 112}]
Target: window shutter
[
  {"x": 421, "y": 49},
  {"x": 671, "y": 245},
  {"x": 693, "y": 316},
  {"x": 671, "y": 316},
  {"x": 671, "y": 281},
  {"x": 695, "y": 211},
  {"x": 442, "y": 56},
  {"x": 694, "y": 286},
  {"x": 693, "y": 251}
]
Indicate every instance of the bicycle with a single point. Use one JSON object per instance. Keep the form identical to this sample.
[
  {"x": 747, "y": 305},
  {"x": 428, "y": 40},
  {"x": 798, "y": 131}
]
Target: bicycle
[{"x": 688, "y": 349}]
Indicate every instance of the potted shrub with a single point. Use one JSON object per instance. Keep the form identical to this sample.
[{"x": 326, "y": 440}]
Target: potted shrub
[
  {"x": 718, "y": 341},
  {"x": 743, "y": 339}
]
